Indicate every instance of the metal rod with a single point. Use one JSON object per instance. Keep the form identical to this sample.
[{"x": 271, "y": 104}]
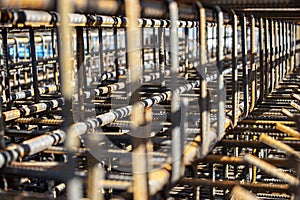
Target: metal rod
[
  {"x": 270, "y": 169},
  {"x": 175, "y": 101},
  {"x": 121, "y": 85},
  {"x": 261, "y": 60},
  {"x": 245, "y": 67},
  {"x": 39, "y": 121},
  {"x": 154, "y": 36},
  {"x": 239, "y": 193},
  {"x": 30, "y": 147},
  {"x": 161, "y": 57},
  {"x": 278, "y": 145},
  {"x": 204, "y": 98},
  {"x": 252, "y": 64},
  {"x": 286, "y": 48},
  {"x": 116, "y": 53},
  {"x": 220, "y": 80},
  {"x": 32, "y": 109},
  {"x": 6, "y": 74},
  {"x": 231, "y": 184},
  {"x": 235, "y": 92},
  {"x": 48, "y": 89},
  {"x": 294, "y": 44},
  {"x": 280, "y": 50},
  {"x": 271, "y": 32},
  {"x": 81, "y": 73},
  {"x": 295, "y": 105},
  {"x": 276, "y": 37},
  {"x": 233, "y": 160},
  {"x": 34, "y": 65},
  {"x": 139, "y": 156},
  {"x": 74, "y": 185},
  {"x": 2, "y": 131},
  {"x": 143, "y": 49},
  {"x": 288, "y": 130},
  {"x": 101, "y": 53},
  {"x": 267, "y": 57}
]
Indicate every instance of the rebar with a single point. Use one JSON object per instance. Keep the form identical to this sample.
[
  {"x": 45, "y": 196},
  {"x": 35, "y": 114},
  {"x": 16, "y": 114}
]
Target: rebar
[{"x": 148, "y": 99}]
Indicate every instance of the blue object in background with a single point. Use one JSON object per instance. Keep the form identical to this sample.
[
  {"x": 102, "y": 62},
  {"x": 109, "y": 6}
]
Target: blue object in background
[{"x": 40, "y": 51}]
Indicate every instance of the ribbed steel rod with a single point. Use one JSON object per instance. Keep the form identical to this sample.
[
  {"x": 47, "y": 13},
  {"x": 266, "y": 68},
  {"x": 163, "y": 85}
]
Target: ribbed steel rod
[
  {"x": 230, "y": 184},
  {"x": 239, "y": 193},
  {"x": 39, "y": 121},
  {"x": 270, "y": 169},
  {"x": 35, "y": 108},
  {"x": 278, "y": 145},
  {"x": 30, "y": 147},
  {"x": 288, "y": 130},
  {"x": 29, "y": 93},
  {"x": 33, "y": 18},
  {"x": 121, "y": 85},
  {"x": 295, "y": 105},
  {"x": 104, "y": 119}
]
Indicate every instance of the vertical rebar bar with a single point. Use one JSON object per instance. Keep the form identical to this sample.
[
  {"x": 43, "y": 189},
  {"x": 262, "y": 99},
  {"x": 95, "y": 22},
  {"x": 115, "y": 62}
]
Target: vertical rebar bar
[
  {"x": 280, "y": 51},
  {"x": 2, "y": 129},
  {"x": 196, "y": 188},
  {"x": 80, "y": 72},
  {"x": 162, "y": 67},
  {"x": 139, "y": 155},
  {"x": 252, "y": 64},
  {"x": 74, "y": 184},
  {"x": 186, "y": 55},
  {"x": 116, "y": 53},
  {"x": 34, "y": 65},
  {"x": 154, "y": 48},
  {"x": 290, "y": 47},
  {"x": 235, "y": 95},
  {"x": 245, "y": 66},
  {"x": 220, "y": 79},
  {"x": 295, "y": 45},
  {"x": 204, "y": 101},
  {"x": 276, "y": 53},
  {"x": 286, "y": 47},
  {"x": 271, "y": 32},
  {"x": 143, "y": 49},
  {"x": 6, "y": 74},
  {"x": 65, "y": 38},
  {"x": 267, "y": 57},
  {"x": 176, "y": 115},
  {"x": 283, "y": 49},
  {"x": 55, "y": 48},
  {"x": 96, "y": 175},
  {"x": 101, "y": 52},
  {"x": 178, "y": 143},
  {"x": 261, "y": 59}
]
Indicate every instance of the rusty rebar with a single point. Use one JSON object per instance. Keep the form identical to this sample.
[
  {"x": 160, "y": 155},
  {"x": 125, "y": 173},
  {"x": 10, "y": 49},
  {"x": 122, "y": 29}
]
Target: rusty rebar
[{"x": 270, "y": 169}]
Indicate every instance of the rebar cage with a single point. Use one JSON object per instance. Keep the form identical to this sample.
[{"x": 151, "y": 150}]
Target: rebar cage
[{"x": 148, "y": 99}]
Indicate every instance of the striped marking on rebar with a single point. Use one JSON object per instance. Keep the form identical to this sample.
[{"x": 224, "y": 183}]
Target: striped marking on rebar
[
  {"x": 31, "y": 146},
  {"x": 35, "y": 108}
]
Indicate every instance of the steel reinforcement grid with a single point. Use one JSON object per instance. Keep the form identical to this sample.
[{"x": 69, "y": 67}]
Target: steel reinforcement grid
[{"x": 149, "y": 99}]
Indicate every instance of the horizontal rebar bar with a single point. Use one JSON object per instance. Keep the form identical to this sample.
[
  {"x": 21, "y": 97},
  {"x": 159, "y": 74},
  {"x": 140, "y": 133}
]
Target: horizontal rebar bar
[
  {"x": 32, "y": 109},
  {"x": 30, "y": 93}
]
